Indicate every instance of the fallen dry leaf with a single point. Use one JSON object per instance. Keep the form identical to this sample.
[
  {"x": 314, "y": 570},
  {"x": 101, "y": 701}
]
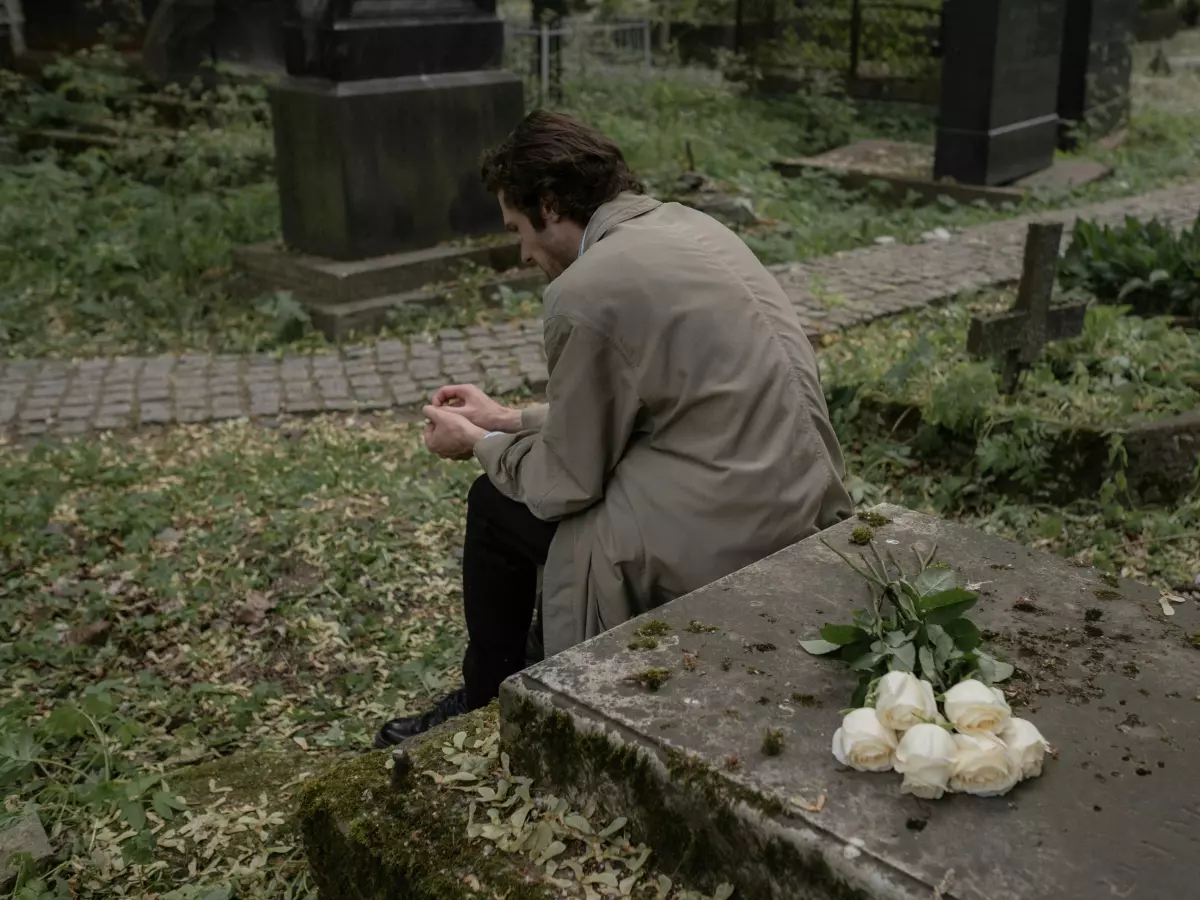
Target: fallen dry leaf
[
  {"x": 91, "y": 635},
  {"x": 254, "y": 609}
]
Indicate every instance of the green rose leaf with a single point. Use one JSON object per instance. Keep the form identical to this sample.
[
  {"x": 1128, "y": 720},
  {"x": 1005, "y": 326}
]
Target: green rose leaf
[
  {"x": 859, "y": 699},
  {"x": 938, "y": 609},
  {"x": 820, "y": 648},
  {"x": 964, "y": 633},
  {"x": 851, "y": 652},
  {"x": 843, "y": 634},
  {"x": 934, "y": 581},
  {"x": 904, "y": 657},
  {"x": 928, "y": 669},
  {"x": 867, "y": 661},
  {"x": 993, "y": 670}
]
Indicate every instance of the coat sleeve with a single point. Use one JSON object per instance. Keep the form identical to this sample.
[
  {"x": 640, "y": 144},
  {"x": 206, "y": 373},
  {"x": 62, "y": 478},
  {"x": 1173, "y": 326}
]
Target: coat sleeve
[
  {"x": 534, "y": 417},
  {"x": 562, "y": 468}
]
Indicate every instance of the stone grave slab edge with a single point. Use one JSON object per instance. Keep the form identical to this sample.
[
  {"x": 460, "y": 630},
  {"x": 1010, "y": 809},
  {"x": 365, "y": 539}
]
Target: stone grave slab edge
[{"x": 1115, "y": 691}]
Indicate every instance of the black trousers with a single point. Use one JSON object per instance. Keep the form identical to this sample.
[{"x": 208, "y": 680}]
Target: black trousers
[{"x": 505, "y": 544}]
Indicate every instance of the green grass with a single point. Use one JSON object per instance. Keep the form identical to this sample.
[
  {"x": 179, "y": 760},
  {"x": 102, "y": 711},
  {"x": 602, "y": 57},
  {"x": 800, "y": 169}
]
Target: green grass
[
  {"x": 170, "y": 601},
  {"x": 130, "y": 250},
  {"x": 1121, "y": 370}
]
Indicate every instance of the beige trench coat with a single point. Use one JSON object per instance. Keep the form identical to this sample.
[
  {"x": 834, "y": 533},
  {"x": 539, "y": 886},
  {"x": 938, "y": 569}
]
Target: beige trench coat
[{"x": 686, "y": 435}]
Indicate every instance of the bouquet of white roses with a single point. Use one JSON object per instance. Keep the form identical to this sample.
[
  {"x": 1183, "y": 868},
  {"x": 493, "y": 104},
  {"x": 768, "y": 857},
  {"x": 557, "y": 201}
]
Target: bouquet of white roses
[{"x": 950, "y": 729}]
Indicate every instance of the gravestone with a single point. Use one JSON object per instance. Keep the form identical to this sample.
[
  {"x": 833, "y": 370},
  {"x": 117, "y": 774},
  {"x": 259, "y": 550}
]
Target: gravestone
[
  {"x": 379, "y": 129},
  {"x": 1110, "y": 680},
  {"x": 1093, "y": 83},
  {"x": 186, "y": 39},
  {"x": 1017, "y": 337},
  {"x": 998, "y": 119}
]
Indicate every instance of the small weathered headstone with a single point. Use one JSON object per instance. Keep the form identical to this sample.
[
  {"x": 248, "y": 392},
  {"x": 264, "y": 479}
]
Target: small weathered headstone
[
  {"x": 22, "y": 839},
  {"x": 1018, "y": 336},
  {"x": 998, "y": 119},
  {"x": 1161, "y": 63}
]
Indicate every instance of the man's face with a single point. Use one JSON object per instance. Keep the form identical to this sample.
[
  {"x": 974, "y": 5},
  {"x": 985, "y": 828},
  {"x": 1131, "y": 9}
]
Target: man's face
[{"x": 553, "y": 248}]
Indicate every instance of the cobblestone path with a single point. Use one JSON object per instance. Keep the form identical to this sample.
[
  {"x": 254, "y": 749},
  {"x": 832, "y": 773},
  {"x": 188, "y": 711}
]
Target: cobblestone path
[{"x": 40, "y": 397}]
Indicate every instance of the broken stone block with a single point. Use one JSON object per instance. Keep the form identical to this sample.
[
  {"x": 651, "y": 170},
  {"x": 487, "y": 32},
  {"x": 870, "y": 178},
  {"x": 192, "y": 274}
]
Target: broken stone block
[
  {"x": 1110, "y": 679},
  {"x": 19, "y": 837}
]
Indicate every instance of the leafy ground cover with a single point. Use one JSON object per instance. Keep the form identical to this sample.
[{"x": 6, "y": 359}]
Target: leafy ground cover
[{"x": 128, "y": 248}]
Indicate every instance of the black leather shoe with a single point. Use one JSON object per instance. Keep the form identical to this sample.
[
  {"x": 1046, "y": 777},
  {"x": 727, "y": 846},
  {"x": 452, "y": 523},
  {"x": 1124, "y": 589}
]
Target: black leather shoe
[{"x": 397, "y": 730}]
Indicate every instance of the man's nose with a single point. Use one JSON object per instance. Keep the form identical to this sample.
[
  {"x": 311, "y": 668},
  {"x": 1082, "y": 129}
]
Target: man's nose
[{"x": 526, "y": 256}]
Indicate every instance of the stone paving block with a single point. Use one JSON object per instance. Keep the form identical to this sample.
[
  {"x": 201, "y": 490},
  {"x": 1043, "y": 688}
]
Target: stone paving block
[
  {"x": 1113, "y": 814},
  {"x": 23, "y": 836},
  {"x": 414, "y": 397},
  {"x": 191, "y": 414},
  {"x": 265, "y": 406},
  {"x": 81, "y": 412},
  {"x": 71, "y": 427},
  {"x": 303, "y": 405},
  {"x": 154, "y": 414},
  {"x": 391, "y": 350},
  {"x": 423, "y": 369},
  {"x": 109, "y": 423},
  {"x": 339, "y": 403}
]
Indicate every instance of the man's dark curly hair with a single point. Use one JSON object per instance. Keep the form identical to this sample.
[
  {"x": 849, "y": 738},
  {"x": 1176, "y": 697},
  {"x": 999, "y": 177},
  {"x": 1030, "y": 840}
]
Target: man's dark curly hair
[{"x": 558, "y": 160}]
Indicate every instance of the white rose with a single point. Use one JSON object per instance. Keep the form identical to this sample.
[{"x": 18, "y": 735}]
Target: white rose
[
  {"x": 1026, "y": 747},
  {"x": 983, "y": 766},
  {"x": 863, "y": 743},
  {"x": 975, "y": 708},
  {"x": 926, "y": 758},
  {"x": 902, "y": 701}
]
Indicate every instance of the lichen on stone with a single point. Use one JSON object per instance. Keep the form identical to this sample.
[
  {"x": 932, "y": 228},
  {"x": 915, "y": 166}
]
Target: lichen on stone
[{"x": 697, "y": 627}]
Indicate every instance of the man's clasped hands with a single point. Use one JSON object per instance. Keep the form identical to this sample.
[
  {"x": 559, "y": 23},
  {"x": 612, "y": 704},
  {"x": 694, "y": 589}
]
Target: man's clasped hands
[{"x": 460, "y": 416}]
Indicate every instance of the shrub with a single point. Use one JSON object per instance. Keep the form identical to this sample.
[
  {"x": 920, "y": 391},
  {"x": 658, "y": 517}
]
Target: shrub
[{"x": 1145, "y": 265}]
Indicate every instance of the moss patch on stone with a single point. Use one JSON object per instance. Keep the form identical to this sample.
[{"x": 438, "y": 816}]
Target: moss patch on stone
[
  {"x": 874, "y": 519},
  {"x": 772, "y": 744},
  {"x": 651, "y": 679},
  {"x": 644, "y": 643},
  {"x": 693, "y": 816},
  {"x": 861, "y": 535},
  {"x": 654, "y": 628},
  {"x": 366, "y": 840}
]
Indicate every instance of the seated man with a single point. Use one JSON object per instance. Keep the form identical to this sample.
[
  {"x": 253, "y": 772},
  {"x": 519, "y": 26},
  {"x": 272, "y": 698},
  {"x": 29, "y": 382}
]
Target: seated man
[{"x": 685, "y": 437}]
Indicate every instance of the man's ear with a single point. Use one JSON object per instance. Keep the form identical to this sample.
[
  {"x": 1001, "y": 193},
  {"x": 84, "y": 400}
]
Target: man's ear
[{"x": 550, "y": 209}]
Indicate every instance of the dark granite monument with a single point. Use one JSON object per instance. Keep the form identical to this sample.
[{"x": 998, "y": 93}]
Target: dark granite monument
[
  {"x": 379, "y": 131},
  {"x": 1093, "y": 84},
  {"x": 999, "y": 108}
]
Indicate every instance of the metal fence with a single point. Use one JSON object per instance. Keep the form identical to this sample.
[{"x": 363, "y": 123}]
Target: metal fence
[{"x": 550, "y": 55}]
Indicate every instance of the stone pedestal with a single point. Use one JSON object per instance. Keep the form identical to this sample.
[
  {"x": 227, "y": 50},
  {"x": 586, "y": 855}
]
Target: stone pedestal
[
  {"x": 379, "y": 130},
  {"x": 1093, "y": 84},
  {"x": 999, "y": 118},
  {"x": 372, "y": 167}
]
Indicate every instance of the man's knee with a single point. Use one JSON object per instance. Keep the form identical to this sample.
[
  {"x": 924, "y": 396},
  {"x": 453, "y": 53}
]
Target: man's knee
[{"x": 482, "y": 496}]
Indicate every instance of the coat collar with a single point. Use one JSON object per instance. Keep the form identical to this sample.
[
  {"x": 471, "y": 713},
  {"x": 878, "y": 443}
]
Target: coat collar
[{"x": 625, "y": 207}]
